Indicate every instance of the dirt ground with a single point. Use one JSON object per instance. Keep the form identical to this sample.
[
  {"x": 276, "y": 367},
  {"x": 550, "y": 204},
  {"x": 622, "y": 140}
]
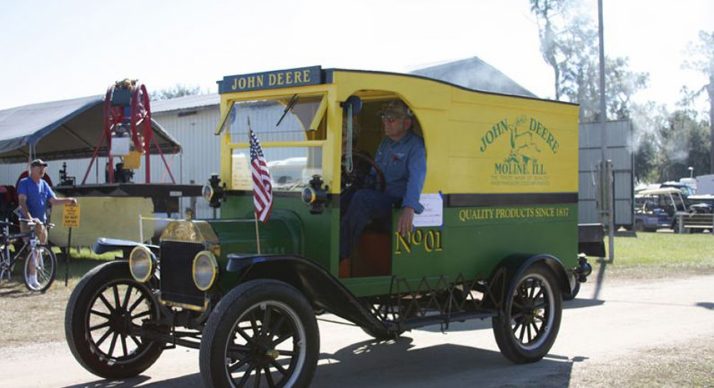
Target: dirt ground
[
  {"x": 627, "y": 332},
  {"x": 686, "y": 364}
]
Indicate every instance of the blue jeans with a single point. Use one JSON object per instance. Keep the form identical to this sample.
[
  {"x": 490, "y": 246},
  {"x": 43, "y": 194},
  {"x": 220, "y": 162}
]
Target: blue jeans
[{"x": 364, "y": 206}]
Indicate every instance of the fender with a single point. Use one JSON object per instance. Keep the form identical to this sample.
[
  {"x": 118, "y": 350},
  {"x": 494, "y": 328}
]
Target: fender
[
  {"x": 515, "y": 265},
  {"x": 317, "y": 284},
  {"x": 104, "y": 245}
]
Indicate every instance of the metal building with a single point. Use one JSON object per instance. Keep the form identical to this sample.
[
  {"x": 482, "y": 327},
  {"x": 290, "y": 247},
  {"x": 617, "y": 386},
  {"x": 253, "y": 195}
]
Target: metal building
[
  {"x": 192, "y": 121},
  {"x": 619, "y": 135}
]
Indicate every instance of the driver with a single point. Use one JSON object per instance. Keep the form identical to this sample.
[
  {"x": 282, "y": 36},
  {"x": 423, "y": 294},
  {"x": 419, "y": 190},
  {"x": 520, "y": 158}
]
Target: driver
[{"x": 402, "y": 159}]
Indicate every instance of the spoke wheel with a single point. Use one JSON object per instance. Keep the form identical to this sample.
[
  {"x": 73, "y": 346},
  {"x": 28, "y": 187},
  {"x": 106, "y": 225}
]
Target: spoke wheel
[
  {"x": 263, "y": 333},
  {"x": 103, "y": 321},
  {"x": 527, "y": 327},
  {"x": 45, "y": 267}
]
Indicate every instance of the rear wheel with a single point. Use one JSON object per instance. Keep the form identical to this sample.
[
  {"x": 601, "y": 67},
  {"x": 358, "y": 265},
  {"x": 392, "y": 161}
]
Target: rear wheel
[
  {"x": 45, "y": 267},
  {"x": 104, "y": 314},
  {"x": 574, "y": 293},
  {"x": 262, "y": 333},
  {"x": 526, "y": 328}
]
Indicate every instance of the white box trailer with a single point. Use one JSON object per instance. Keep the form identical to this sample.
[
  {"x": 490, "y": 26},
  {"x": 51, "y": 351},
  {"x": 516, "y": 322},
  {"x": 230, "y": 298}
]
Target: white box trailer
[{"x": 705, "y": 184}]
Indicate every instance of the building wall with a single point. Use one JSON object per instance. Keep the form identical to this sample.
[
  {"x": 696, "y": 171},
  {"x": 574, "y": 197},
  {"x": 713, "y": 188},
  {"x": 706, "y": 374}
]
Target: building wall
[{"x": 201, "y": 149}]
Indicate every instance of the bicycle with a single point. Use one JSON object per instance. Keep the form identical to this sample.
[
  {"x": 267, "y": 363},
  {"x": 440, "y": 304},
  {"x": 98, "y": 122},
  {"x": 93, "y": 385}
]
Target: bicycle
[{"x": 42, "y": 256}]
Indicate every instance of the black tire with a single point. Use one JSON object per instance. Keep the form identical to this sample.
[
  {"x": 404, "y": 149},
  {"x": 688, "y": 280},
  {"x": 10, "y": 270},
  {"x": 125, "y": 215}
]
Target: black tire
[
  {"x": 106, "y": 303},
  {"x": 640, "y": 226},
  {"x": 574, "y": 293},
  {"x": 45, "y": 268},
  {"x": 535, "y": 301},
  {"x": 240, "y": 319}
]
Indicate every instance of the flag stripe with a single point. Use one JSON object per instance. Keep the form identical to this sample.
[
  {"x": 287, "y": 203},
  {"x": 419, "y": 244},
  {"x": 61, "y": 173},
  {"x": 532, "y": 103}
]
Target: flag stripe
[{"x": 262, "y": 186}]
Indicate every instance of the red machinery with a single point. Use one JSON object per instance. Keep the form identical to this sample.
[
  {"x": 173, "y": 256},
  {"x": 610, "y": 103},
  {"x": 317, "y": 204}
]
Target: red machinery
[{"x": 127, "y": 126}]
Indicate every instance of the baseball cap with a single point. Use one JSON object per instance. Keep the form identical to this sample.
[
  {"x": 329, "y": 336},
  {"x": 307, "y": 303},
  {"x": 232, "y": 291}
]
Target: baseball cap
[
  {"x": 395, "y": 108},
  {"x": 38, "y": 162}
]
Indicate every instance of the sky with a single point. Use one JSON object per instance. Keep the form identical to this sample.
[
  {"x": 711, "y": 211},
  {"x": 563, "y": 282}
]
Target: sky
[{"x": 54, "y": 50}]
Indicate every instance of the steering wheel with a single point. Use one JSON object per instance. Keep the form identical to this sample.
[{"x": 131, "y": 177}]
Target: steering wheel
[{"x": 359, "y": 177}]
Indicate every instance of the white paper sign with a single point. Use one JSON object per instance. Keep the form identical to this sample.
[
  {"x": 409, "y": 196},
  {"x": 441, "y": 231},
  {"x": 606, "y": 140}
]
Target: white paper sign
[
  {"x": 241, "y": 179},
  {"x": 433, "y": 214}
]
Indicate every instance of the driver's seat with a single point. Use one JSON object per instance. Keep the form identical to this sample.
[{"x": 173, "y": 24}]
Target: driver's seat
[{"x": 373, "y": 255}]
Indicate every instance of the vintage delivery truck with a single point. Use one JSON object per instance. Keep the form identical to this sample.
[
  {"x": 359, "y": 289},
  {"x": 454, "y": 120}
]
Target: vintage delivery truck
[{"x": 498, "y": 237}]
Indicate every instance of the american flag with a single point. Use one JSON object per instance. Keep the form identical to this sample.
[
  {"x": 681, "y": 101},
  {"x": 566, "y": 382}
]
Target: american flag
[{"x": 262, "y": 187}]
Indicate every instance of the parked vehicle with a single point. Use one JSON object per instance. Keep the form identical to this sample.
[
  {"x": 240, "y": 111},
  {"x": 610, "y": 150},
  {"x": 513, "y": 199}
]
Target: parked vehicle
[
  {"x": 701, "y": 203},
  {"x": 685, "y": 185},
  {"x": 659, "y": 208},
  {"x": 498, "y": 238},
  {"x": 701, "y": 214}
]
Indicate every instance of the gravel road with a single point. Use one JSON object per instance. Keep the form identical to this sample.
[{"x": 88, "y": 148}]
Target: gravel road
[{"x": 615, "y": 333}]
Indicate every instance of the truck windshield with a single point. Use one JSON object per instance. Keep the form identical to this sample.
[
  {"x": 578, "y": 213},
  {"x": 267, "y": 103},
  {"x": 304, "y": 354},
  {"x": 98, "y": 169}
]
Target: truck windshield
[
  {"x": 277, "y": 123},
  {"x": 264, "y": 117}
]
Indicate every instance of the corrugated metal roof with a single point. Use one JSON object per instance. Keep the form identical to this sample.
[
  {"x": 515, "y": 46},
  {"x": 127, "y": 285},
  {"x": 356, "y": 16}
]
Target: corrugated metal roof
[
  {"x": 473, "y": 73},
  {"x": 186, "y": 102}
]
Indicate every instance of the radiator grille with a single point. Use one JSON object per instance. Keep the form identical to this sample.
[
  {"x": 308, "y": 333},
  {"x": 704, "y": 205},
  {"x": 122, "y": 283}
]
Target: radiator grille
[{"x": 176, "y": 279}]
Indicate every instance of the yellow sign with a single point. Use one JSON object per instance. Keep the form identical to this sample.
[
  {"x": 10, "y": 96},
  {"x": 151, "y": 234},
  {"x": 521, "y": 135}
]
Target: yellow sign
[{"x": 70, "y": 216}]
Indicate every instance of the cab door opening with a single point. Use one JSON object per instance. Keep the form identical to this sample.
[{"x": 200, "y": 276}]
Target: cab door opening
[{"x": 362, "y": 133}]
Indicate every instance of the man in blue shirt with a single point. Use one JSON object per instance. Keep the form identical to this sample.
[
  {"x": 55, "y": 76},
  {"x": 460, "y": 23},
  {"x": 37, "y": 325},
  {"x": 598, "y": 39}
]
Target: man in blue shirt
[
  {"x": 33, "y": 194},
  {"x": 402, "y": 159}
]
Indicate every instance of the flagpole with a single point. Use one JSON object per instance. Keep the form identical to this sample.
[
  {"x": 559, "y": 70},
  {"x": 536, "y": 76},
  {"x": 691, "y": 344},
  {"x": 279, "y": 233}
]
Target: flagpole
[
  {"x": 255, "y": 215},
  {"x": 257, "y": 232}
]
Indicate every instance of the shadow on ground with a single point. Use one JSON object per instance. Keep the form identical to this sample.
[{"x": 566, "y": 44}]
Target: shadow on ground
[{"x": 397, "y": 363}]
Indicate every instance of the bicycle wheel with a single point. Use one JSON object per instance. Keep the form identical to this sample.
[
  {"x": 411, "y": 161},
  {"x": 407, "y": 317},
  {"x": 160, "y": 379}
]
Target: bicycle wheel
[
  {"x": 45, "y": 266},
  {"x": 5, "y": 269}
]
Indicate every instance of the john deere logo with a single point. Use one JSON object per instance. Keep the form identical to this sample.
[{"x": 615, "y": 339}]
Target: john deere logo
[{"x": 528, "y": 143}]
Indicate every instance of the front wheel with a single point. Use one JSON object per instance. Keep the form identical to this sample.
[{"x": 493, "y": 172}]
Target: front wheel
[
  {"x": 262, "y": 333},
  {"x": 103, "y": 322},
  {"x": 526, "y": 328},
  {"x": 45, "y": 264}
]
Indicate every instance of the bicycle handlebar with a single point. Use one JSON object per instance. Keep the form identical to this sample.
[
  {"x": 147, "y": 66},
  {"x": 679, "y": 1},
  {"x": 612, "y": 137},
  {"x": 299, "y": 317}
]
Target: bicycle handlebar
[{"x": 31, "y": 222}]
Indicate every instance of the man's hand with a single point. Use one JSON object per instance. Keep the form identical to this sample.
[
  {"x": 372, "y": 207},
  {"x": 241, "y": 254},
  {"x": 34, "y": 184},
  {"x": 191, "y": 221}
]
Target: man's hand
[{"x": 406, "y": 221}]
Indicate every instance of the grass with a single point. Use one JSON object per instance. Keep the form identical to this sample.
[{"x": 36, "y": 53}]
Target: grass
[
  {"x": 37, "y": 318},
  {"x": 660, "y": 255}
]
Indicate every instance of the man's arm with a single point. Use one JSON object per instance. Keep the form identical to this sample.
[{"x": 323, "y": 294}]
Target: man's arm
[
  {"x": 52, "y": 198},
  {"x": 22, "y": 199},
  {"x": 410, "y": 203},
  {"x": 63, "y": 201}
]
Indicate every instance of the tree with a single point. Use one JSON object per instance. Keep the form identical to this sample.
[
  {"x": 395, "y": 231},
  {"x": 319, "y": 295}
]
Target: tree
[
  {"x": 569, "y": 45},
  {"x": 648, "y": 119},
  {"x": 702, "y": 60},
  {"x": 178, "y": 90},
  {"x": 683, "y": 144},
  {"x": 645, "y": 157}
]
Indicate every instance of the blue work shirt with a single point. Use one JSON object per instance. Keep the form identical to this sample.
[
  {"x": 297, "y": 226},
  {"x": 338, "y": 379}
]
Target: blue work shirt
[
  {"x": 38, "y": 194},
  {"x": 404, "y": 166}
]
